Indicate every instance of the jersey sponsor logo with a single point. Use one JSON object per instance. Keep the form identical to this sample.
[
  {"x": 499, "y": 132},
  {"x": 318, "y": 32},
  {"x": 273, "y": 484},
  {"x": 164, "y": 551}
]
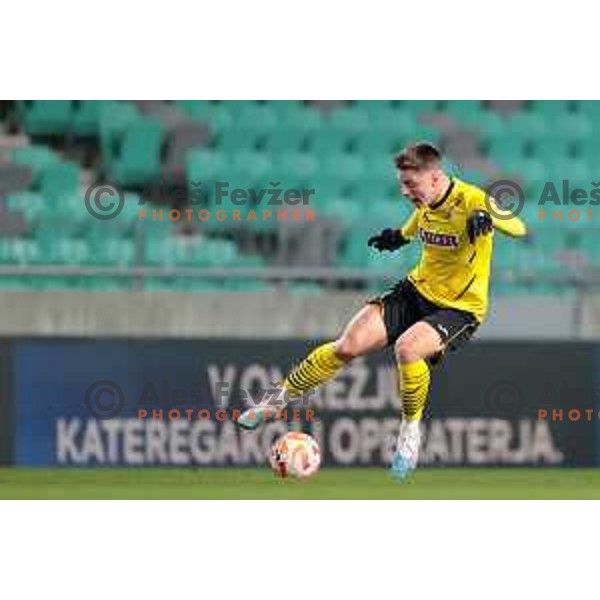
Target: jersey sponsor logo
[{"x": 447, "y": 240}]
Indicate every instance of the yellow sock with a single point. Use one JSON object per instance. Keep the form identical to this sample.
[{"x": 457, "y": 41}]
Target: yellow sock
[
  {"x": 320, "y": 366},
  {"x": 414, "y": 387}
]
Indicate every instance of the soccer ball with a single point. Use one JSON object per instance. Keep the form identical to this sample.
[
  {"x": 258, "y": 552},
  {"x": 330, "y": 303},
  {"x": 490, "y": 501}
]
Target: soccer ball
[{"x": 295, "y": 455}]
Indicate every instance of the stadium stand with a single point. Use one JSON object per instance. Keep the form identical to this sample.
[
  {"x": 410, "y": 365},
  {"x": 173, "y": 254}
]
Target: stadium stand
[{"x": 51, "y": 152}]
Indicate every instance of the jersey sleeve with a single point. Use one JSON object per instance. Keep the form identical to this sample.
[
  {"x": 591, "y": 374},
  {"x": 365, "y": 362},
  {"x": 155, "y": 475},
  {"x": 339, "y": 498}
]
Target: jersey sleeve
[{"x": 409, "y": 229}]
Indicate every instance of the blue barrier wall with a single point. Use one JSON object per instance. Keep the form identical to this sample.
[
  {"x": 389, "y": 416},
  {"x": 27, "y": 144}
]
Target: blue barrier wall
[{"x": 77, "y": 403}]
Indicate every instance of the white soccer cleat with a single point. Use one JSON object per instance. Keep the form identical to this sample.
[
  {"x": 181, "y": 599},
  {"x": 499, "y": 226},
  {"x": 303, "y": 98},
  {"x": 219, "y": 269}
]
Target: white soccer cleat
[
  {"x": 269, "y": 409},
  {"x": 405, "y": 459}
]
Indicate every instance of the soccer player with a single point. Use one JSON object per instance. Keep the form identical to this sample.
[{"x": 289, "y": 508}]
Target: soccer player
[{"x": 436, "y": 307}]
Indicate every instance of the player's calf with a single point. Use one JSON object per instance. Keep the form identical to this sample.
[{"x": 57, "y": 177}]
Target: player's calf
[{"x": 412, "y": 348}]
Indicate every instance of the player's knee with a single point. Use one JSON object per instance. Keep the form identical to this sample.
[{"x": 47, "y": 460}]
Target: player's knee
[
  {"x": 347, "y": 348},
  {"x": 406, "y": 351}
]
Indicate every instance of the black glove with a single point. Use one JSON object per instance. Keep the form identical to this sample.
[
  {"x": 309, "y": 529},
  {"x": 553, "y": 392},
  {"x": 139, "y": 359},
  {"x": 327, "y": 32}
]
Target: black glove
[
  {"x": 478, "y": 223},
  {"x": 388, "y": 239}
]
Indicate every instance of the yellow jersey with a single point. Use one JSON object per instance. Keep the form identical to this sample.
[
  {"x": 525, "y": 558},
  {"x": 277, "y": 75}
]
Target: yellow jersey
[{"x": 452, "y": 272}]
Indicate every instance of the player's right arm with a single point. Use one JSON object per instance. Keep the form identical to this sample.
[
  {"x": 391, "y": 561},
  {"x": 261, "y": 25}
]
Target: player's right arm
[{"x": 392, "y": 239}]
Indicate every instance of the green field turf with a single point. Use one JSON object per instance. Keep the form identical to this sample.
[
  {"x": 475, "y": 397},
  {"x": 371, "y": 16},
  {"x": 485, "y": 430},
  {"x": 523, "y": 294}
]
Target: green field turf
[{"x": 328, "y": 484}]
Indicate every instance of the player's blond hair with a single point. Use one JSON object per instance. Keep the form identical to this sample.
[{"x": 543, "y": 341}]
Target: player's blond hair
[{"x": 421, "y": 155}]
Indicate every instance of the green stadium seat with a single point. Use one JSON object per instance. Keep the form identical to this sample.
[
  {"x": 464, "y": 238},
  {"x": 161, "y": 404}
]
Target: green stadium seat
[
  {"x": 377, "y": 166},
  {"x": 306, "y": 121},
  {"x": 487, "y": 123},
  {"x": 295, "y": 169},
  {"x": 550, "y": 108},
  {"x": 568, "y": 168},
  {"x": 344, "y": 211},
  {"x": 345, "y": 167},
  {"x": 115, "y": 119},
  {"x": 196, "y": 109},
  {"x": 380, "y": 143},
  {"x": 37, "y": 158},
  {"x": 286, "y": 140},
  {"x": 323, "y": 143},
  {"x": 138, "y": 160},
  {"x": 85, "y": 120},
  {"x": 30, "y": 204},
  {"x": 59, "y": 180},
  {"x": 251, "y": 169},
  {"x": 587, "y": 148},
  {"x": 420, "y": 106},
  {"x": 45, "y": 117},
  {"x": 370, "y": 107},
  {"x": 573, "y": 126},
  {"x": 551, "y": 147},
  {"x": 259, "y": 117},
  {"x": 287, "y": 109},
  {"x": 220, "y": 116},
  {"x": 111, "y": 251},
  {"x": 464, "y": 110},
  {"x": 403, "y": 122},
  {"x": 346, "y": 121},
  {"x": 505, "y": 150},
  {"x": 527, "y": 125},
  {"x": 205, "y": 166},
  {"x": 62, "y": 250},
  {"x": 370, "y": 188},
  {"x": 529, "y": 168},
  {"x": 239, "y": 138}
]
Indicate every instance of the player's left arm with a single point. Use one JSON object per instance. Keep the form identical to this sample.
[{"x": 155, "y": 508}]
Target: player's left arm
[
  {"x": 487, "y": 216},
  {"x": 506, "y": 222}
]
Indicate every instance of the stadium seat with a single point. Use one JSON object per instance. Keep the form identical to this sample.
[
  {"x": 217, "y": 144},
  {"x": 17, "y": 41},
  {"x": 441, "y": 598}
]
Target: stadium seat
[
  {"x": 527, "y": 126},
  {"x": 380, "y": 143},
  {"x": 345, "y": 167},
  {"x": 59, "y": 180},
  {"x": 464, "y": 110},
  {"x": 344, "y": 211},
  {"x": 85, "y": 120},
  {"x": 37, "y": 158},
  {"x": 193, "y": 108},
  {"x": 403, "y": 122},
  {"x": 63, "y": 250},
  {"x": 284, "y": 139},
  {"x": 487, "y": 123},
  {"x": 239, "y": 138},
  {"x": 258, "y": 117},
  {"x": 115, "y": 118},
  {"x": 420, "y": 107},
  {"x": 138, "y": 159},
  {"x": 45, "y": 117},
  {"x": 323, "y": 143},
  {"x": 346, "y": 121},
  {"x": 551, "y": 146},
  {"x": 29, "y": 204},
  {"x": 295, "y": 169},
  {"x": 307, "y": 121},
  {"x": 549, "y": 109},
  {"x": 505, "y": 150},
  {"x": 573, "y": 126},
  {"x": 111, "y": 251},
  {"x": 204, "y": 166},
  {"x": 251, "y": 169}
]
